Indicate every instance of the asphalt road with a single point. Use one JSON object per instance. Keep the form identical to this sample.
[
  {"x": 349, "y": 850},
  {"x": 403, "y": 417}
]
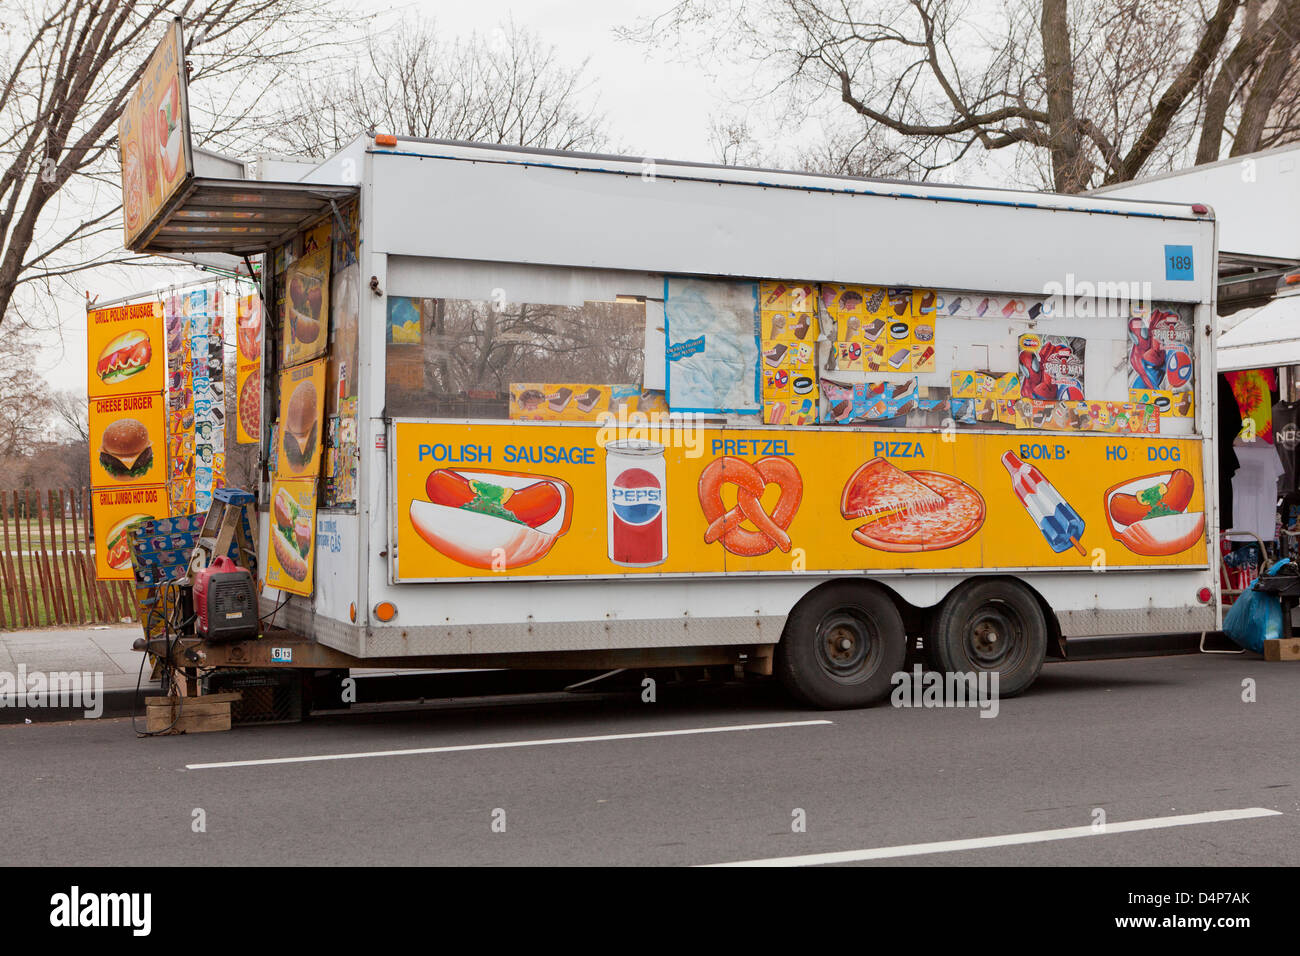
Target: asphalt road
[{"x": 1143, "y": 740}]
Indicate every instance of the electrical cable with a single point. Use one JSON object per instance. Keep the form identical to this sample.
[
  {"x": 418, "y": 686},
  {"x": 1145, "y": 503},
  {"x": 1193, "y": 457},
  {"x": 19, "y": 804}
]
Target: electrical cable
[{"x": 169, "y": 663}]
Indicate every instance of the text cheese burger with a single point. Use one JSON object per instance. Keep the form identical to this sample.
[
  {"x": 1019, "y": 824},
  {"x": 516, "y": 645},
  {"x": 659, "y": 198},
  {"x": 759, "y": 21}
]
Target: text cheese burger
[
  {"x": 126, "y": 355},
  {"x": 300, "y": 426},
  {"x": 125, "y": 451}
]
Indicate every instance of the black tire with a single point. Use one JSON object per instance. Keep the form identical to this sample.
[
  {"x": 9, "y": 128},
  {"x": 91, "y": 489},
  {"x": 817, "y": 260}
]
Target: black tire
[
  {"x": 813, "y": 662},
  {"x": 991, "y": 626}
]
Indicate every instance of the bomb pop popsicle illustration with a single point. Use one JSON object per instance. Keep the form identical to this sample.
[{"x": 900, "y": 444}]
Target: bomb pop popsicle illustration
[{"x": 1059, "y": 523}]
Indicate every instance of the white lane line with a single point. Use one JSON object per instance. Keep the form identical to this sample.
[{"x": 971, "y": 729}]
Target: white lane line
[
  {"x": 502, "y": 745},
  {"x": 1008, "y": 839}
]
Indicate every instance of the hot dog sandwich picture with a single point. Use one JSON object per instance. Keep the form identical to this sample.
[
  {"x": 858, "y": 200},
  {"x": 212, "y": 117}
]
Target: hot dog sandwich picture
[
  {"x": 291, "y": 535},
  {"x": 117, "y": 542},
  {"x": 125, "y": 356},
  {"x": 1150, "y": 515}
]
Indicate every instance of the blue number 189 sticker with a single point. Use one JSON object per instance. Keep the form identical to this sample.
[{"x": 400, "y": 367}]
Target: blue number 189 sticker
[{"x": 1178, "y": 264}]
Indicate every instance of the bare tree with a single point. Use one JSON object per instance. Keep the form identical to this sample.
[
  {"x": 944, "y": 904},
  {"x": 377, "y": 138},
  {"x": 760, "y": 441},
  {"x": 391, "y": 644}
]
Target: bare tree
[
  {"x": 66, "y": 72},
  {"x": 24, "y": 397},
  {"x": 70, "y": 412},
  {"x": 1079, "y": 94},
  {"x": 506, "y": 87}
]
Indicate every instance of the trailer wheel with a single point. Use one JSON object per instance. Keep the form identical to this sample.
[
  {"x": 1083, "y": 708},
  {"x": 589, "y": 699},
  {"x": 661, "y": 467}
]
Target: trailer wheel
[
  {"x": 991, "y": 626},
  {"x": 841, "y": 646}
]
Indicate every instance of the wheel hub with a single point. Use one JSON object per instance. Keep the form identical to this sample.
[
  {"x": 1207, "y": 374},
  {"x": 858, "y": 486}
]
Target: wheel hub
[
  {"x": 993, "y": 636},
  {"x": 847, "y": 644}
]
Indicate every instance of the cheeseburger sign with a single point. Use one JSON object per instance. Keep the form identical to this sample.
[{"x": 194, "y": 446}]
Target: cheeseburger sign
[
  {"x": 125, "y": 375},
  {"x": 154, "y": 139}
]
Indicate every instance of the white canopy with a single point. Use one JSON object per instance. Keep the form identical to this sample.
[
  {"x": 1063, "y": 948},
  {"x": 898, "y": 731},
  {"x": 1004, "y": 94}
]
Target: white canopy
[{"x": 1262, "y": 337}]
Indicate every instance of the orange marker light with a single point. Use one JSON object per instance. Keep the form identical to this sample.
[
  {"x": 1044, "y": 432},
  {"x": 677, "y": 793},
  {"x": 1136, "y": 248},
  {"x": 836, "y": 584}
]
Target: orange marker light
[
  {"x": 385, "y": 611},
  {"x": 352, "y": 611},
  {"x": 385, "y": 139}
]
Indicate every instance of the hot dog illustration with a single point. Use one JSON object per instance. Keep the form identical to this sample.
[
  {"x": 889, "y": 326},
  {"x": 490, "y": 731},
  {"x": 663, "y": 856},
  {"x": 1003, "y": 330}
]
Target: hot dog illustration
[
  {"x": 495, "y": 520},
  {"x": 1149, "y": 516}
]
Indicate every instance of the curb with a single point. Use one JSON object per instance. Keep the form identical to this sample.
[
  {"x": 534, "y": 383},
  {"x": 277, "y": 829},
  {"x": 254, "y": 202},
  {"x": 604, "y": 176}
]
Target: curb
[{"x": 378, "y": 689}]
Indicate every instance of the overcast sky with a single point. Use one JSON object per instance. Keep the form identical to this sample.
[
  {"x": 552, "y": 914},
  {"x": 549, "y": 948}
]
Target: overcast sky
[{"x": 655, "y": 102}]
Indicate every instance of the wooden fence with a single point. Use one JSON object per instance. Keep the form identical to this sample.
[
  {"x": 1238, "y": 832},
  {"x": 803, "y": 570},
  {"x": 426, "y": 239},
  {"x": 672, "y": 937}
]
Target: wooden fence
[{"x": 47, "y": 565}]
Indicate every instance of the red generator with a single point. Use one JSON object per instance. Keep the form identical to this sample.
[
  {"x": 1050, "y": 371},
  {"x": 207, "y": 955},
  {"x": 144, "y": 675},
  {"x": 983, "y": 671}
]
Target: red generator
[{"x": 226, "y": 601}]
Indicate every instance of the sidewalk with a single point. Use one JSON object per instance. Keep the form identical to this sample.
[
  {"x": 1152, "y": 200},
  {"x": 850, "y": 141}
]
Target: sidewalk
[
  {"x": 106, "y": 649},
  {"x": 94, "y": 649},
  {"x": 99, "y": 648}
]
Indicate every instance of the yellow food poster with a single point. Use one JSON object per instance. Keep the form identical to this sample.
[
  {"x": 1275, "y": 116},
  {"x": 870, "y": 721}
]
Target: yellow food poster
[
  {"x": 124, "y": 349},
  {"x": 483, "y": 501},
  {"x": 789, "y": 326},
  {"x": 248, "y": 330},
  {"x": 570, "y": 402},
  {"x": 302, "y": 390},
  {"x": 115, "y": 510},
  {"x": 292, "y": 516},
  {"x": 1176, "y": 404},
  {"x": 777, "y": 296},
  {"x": 790, "y": 411},
  {"x": 306, "y": 307},
  {"x": 788, "y": 311},
  {"x": 248, "y": 404},
  {"x": 898, "y": 345},
  {"x": 924, "y": 303},
  {"x": 127, "y": 441},
  {"x": 154, "y": 137}
]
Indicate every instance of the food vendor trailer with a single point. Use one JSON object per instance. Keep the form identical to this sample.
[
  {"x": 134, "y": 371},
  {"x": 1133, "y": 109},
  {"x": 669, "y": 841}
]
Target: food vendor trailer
[{"x": 574, "y": 410}]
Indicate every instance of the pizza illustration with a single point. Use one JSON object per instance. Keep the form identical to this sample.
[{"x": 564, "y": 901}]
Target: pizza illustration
[
  {"x": 910, "y": 510},
  {"x": 250, "y": 405}
]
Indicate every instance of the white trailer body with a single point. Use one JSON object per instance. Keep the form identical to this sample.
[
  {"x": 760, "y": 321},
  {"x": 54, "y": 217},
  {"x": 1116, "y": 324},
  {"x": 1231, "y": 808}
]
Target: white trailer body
[{"x": 460, "y": 222}]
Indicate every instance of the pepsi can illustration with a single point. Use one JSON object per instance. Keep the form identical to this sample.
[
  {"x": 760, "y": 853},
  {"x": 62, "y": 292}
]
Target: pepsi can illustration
[{"x": 636, "y": 489}]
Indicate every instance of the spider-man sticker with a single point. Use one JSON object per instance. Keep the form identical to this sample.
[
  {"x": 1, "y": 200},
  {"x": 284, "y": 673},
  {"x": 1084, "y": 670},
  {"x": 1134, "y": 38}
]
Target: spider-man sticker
[
  {"x": 1051, "y": 367},
  {"x": 1160, "y": 351}
]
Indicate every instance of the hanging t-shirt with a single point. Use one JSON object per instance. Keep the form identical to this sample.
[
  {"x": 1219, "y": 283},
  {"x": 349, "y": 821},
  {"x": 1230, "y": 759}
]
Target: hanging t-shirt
[
  {"x": 1252, "y": 388},
  {"x": 1286, "y": 438},
  {"x": 1254, "y": 489}
]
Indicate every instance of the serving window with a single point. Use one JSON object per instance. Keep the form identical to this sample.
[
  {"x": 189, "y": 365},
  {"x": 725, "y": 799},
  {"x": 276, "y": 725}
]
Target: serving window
[
  {"x": 462, "y": 358},
  {"x": 799, "y": 354}
]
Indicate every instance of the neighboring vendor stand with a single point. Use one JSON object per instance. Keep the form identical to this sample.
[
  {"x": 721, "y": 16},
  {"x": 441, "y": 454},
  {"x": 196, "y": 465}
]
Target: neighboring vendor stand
[{"x": 1256, "y": 199}]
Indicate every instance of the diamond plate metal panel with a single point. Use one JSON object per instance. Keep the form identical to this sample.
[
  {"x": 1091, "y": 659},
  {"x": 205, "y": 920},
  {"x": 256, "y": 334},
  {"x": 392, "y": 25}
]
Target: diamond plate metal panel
[
  {"x": 1156, "y": 620},
  {"x": 576, "y": 636}
]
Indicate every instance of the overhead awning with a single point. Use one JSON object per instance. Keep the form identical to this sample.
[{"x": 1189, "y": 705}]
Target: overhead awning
[
  {"x": 241, "y": 217},
  {"x": 1247, "y": 280},
  {"x": 1262, "y": 337}
]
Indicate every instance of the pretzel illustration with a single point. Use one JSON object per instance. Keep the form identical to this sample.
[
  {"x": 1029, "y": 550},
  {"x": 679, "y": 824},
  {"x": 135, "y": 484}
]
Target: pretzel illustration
[{"x": 750, "y": 481}]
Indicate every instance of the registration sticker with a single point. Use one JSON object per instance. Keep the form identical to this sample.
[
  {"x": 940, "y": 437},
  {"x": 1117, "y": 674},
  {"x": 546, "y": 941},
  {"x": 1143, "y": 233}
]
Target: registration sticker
[{"x": 1178, "y": 264}]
